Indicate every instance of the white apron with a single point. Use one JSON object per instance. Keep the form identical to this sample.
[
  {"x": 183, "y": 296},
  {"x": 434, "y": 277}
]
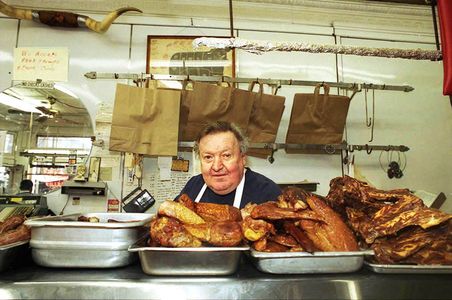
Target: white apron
[{"x": 238, "y": 192}]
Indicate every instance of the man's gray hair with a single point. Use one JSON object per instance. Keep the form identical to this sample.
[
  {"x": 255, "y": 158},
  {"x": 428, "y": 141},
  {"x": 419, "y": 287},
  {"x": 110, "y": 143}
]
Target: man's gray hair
[{"x": 221, "y": 126}]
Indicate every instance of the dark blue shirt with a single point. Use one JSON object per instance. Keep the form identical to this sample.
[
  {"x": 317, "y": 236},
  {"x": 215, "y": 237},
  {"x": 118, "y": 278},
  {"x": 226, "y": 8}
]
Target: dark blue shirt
[{"x": 258, "y": 189}]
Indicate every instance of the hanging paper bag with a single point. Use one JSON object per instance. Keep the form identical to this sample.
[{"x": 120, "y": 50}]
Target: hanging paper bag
[
  {"x": 145, "y": 120},
  {"x": 264, "y": 120},
  {"x": 317, "y": 119},
  {"x": 213, "y": 102},
  {"x": 185, "y": 102}
]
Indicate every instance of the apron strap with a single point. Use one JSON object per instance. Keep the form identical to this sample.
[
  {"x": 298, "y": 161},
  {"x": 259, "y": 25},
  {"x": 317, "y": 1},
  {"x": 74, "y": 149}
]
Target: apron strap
[
  {"x": 238, "y": 192},
  {"x": 201, "y": 192}
]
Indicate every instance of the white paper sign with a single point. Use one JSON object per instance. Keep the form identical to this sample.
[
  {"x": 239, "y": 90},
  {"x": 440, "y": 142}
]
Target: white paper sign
[
  {"x": 164, "y": 164},
  {"x": 47, "y": 64}
]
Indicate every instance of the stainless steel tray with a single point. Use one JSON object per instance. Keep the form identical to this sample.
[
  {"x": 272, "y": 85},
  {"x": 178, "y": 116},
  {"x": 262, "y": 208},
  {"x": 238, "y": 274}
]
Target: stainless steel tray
[
  {"x": 126, "y": 220},
  {"x": 189, "y": 261},
  {"x": 308, "y": 263},
  {"x": 409, "y": 269},
  {"x": 62, "y": 241},
  {"x": 90, "y": 258},
  {"x": 12, "y": 253}
]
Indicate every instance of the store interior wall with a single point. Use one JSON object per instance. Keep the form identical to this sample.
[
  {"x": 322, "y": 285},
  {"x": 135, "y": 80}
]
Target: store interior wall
[{"x": 420, "y": 119}]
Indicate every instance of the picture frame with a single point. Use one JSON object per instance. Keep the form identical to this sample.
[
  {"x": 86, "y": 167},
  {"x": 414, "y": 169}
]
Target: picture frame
[
  {"x": 175, "y": 55},
  {"x": 94, "y": 169}
]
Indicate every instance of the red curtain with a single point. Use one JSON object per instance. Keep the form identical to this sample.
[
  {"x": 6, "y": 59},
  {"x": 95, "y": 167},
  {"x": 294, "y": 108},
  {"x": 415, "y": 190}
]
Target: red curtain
[{"x": 445, "y": 24}]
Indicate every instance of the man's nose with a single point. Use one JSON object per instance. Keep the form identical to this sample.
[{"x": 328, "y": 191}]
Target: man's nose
[{"x": 217, "y": 164}]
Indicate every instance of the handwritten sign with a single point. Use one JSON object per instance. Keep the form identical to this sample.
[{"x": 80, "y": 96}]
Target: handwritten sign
[{"x": 47, "y": 64}]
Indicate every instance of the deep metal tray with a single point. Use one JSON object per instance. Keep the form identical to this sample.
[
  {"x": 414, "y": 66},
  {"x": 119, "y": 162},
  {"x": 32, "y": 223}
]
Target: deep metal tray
[
  {"x": 88, "y": 258},
  {"x": 62, "y": 241},
  {"x": 308, "y": 263},
  {"x": 12, "y": 253},
  {"x": 126, "y": 220},
  {"x": 189, "y": 261},
  {"x": 409, "y": 269}
]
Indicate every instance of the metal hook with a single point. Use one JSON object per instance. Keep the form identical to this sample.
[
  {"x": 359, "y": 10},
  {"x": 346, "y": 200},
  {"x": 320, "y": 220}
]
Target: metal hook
[
  {"x": 368, "y": 150},
  {"x": 368, "y": 121},
  {"x": 271, "y": 159},
  {"x": 373, "y": 117},
  {"x": 345, "y": 159}
]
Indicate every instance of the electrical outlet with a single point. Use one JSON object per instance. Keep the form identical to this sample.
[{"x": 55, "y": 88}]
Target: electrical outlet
[
  {"x": 130, "y": 174},
  {"x": 75, "y": 200}
]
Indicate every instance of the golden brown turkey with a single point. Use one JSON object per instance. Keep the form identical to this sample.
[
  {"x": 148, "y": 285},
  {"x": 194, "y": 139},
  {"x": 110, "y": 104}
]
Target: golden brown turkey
[
  {"x": 184, "y": 223},
  {"x": 301, "y": 221}
]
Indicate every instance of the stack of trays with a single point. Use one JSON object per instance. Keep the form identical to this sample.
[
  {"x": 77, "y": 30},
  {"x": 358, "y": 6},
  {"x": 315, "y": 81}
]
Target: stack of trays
[
  {"x": 13, "y": 253},
  {"x": 308, "y": 263},
  {"x": 62, "y": 241}
]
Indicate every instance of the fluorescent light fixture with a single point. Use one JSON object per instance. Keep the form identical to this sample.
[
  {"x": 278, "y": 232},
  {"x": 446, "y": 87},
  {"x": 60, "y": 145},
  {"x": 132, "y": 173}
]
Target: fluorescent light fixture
[
  {"x": 172, "y": 84},
  {"x": 18, "y": 104},
  {"x": 57, "y": 151}
]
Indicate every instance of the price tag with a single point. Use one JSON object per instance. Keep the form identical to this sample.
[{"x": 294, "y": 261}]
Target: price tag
[
  {"x": 113, "y": 205},
  {"x": 180, "y": 165}
]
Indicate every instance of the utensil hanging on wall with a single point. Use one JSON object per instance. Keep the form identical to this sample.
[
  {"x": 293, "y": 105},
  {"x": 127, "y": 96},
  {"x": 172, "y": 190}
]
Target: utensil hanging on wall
[{"x": 370, "y": 121}]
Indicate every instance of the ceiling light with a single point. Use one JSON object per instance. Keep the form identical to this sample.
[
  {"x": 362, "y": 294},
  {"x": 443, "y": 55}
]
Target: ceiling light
[{"x": 18, "y": 104}]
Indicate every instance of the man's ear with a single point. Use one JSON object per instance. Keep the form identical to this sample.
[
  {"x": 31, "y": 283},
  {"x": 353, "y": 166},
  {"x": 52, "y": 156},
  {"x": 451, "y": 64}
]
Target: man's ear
[{"x": 244, "y": 158}]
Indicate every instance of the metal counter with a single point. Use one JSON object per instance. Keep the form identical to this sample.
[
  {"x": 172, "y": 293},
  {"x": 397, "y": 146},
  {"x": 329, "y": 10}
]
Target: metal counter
[{"x": 33, "y": 282}]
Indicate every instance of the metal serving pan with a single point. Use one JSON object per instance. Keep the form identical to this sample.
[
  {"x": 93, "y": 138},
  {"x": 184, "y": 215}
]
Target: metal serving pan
[
  {"x": 308, "y": 263},
  {"x": 62, "y": 241},
  {"x": 13, "y": 253},
  {"x": 189, "y": 261},
  {"x": 409, "y": 269}
]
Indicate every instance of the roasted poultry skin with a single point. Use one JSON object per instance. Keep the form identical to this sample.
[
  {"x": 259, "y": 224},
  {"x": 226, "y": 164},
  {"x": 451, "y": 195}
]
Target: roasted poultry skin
[
  {"x": 169, "y": 232},
  {"x": 332, "y": 234},
  {"x": 302, "y": 221},
  {"x": 180, "y": 212},
  {"x": 220, "y": 234},
  {"x": 184, "y": 223}
]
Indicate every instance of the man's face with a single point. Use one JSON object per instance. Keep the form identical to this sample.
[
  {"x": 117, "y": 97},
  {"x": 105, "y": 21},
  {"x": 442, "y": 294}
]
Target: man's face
[{"x": 222, "y": 164}]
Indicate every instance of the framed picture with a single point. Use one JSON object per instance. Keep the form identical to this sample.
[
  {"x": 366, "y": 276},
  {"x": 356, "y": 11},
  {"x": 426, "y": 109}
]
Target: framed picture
[
  {"x": 94, "y": 169},
  {"x": 175, "y": 55}
]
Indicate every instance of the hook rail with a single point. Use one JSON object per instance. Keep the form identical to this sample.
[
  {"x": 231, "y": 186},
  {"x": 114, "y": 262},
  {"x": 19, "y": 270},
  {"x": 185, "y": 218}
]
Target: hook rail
[
  {"x": 276, "y": 82},
  {"x": 328, "y": 148}
]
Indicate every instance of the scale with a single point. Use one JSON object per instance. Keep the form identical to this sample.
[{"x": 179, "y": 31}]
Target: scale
[{"x": 141, "y": 200}]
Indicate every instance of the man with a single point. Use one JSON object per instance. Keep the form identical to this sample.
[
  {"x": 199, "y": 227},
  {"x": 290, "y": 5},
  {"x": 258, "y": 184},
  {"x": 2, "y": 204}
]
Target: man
[
  {"x": 26, "y": 187},
  {"x": 221, "y": 148}
]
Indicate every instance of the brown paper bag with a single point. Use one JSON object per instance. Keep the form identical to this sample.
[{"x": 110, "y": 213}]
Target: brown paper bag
[
  {"x": 185, "y": 102},
  {"x": 317, "y": 119},
  {"x": 145, "y": 120},
  {"x": 264, "y": 120},
  {"x": 212, "y": 102}
]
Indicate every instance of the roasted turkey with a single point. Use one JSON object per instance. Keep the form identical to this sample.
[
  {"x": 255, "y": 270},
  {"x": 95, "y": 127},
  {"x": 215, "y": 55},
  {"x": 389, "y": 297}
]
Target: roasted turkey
[
  {"x": 302, "y": 221},
  {"x": 184, "y": 223}
]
